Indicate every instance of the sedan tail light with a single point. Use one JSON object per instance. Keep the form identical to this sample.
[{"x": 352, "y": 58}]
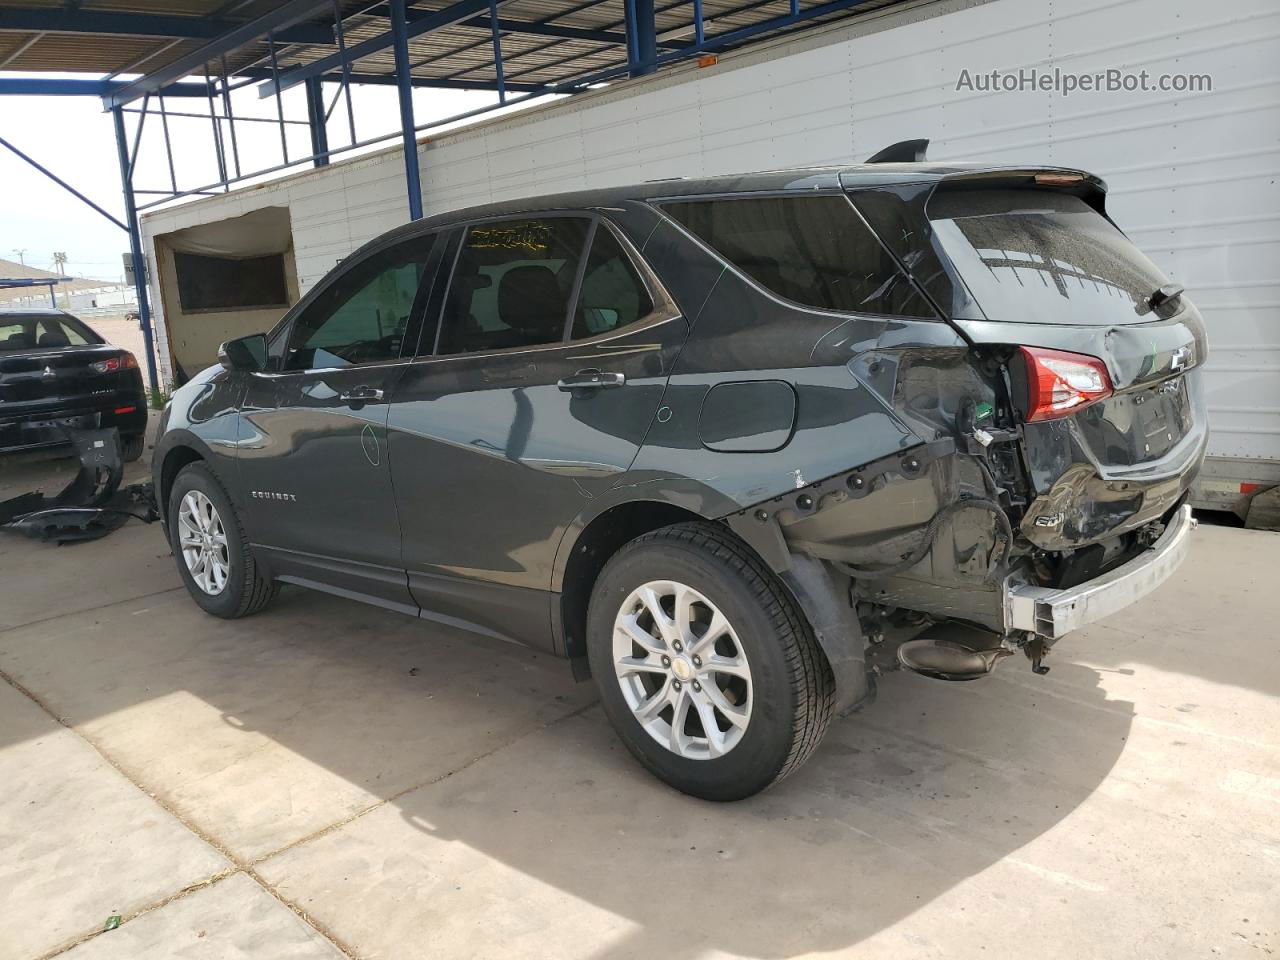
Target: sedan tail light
[
  {"x": 1060, "y": 383},
  {"x": 126, "y": 361}
]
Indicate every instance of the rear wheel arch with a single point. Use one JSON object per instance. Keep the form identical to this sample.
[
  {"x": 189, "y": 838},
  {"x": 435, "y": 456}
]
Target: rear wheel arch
[{"x": 599, "y": 540}]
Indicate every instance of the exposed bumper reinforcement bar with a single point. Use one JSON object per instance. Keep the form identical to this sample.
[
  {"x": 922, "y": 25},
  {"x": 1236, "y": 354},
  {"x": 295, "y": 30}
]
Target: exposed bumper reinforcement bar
[{"x": 1051, "y": 613}]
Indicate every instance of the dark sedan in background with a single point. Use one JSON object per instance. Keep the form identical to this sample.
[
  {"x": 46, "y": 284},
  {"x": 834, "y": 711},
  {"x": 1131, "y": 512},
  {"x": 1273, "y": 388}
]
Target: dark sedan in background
[{"x": 56, "y": 373}]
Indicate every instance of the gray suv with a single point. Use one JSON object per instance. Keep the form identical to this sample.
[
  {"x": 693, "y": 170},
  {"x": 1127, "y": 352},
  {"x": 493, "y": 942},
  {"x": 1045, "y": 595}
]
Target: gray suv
[{"x": 733, "y": 447}]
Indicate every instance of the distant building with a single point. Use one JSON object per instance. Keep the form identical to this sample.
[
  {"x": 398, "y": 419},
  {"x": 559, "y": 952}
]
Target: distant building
[{"x": 78, "y": 295}]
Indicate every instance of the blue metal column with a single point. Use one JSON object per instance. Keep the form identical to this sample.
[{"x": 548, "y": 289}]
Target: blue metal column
[
  {"x": 135, "y": 245},
  {"x": 400, "y": 42},
  {"x": 642, "y": 37},
  {"x": 315, "y": 114}
]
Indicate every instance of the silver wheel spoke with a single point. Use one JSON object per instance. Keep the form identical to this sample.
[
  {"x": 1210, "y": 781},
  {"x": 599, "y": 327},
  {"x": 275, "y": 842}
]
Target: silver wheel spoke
[
  {"x": 679, "y": 715},
  {"x": 669, "y": 667},
  {"x": 732, "y": 666},
  {"x": 715, "y": 739},
  {"x": 716, "y": 629},
  {"x": 649, "y": 709},
  {"x": 633, "y": 630},
  {"x": 638, "y": 665},
  {"x": 733, "y": 713}
]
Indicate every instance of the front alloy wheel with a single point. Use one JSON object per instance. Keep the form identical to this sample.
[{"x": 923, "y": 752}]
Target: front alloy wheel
[
  {"x": 204, "y": 543},
  {"x": 682, "y": 670}
]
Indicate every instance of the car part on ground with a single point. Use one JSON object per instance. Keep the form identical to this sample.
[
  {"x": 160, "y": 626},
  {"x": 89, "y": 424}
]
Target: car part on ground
[{"x": 92, "y": 505}]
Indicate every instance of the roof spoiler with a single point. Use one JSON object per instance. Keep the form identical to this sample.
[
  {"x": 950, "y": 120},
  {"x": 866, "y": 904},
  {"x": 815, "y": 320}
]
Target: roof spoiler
[{"x": 904, "y": 151}]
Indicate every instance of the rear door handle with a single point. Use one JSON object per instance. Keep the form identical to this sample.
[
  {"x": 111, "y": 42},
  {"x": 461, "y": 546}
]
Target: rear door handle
[
  {"x": 360, "y": 394},
  {"x": 593, "y": 380}
]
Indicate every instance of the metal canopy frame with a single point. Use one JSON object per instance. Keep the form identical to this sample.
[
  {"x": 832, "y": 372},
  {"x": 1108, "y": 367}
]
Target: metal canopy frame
[{"x": 521, "y": 49}]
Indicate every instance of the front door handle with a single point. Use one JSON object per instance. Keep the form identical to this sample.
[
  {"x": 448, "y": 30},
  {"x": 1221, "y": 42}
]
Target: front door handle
[
  {"x": 593, "y": 379},
  {"x": 361, "y": 394}
]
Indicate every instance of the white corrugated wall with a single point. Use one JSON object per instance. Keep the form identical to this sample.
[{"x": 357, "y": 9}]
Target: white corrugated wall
[{"x": 1192, "y": 176}]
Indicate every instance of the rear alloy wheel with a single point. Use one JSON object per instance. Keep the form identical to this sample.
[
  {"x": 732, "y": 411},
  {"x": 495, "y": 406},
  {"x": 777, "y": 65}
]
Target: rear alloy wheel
[
  {"x": 211, "y": 548},
  {"x": 682, "y": 670},
  {"x": 707, "y": 668}
]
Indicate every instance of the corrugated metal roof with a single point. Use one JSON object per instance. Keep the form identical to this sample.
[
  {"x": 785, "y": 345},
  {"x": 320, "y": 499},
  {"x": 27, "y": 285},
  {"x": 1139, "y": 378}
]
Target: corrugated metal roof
[{"x": 461, "y": 52}]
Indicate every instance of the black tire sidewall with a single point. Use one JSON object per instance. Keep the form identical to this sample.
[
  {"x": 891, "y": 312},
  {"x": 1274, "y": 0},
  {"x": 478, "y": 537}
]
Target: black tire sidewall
[
  {"x": 757, "y": 759},
  {"x": 230, "y": 602}
]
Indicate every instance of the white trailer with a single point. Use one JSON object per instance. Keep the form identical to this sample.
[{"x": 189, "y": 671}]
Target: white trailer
[{"x": 1192, "y": 174}]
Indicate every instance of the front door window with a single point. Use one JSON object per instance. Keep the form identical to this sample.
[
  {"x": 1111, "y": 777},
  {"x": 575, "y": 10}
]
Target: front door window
[{"x": 362, "y": 317}]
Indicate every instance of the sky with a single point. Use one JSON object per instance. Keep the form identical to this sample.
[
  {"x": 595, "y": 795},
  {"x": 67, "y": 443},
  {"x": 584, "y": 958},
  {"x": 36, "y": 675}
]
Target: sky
[{"x": 75, "y": 139}]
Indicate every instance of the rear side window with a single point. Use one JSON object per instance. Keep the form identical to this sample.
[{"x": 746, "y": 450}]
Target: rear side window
[
  {"x": 1042, "y": 256},
  {"x": 811, "y": 250},
  {"x": 612, "y": 295},
  {"x": 511, "y": 284}
]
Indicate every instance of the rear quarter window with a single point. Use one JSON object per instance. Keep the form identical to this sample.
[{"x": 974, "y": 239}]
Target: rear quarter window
[{"x": 815, "y": 251}]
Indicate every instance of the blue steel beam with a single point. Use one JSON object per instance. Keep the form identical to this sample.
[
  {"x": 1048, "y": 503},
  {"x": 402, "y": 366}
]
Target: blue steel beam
[
  {"x": 400, "y": 45},
  {"x": 285, "y": 15},
  {"x": 646, "y": 39},
  {"x": 135, "y": 245},
  {"x": 428, "y": 23},
  {"x": 99, "y": 22},
  {"x": 75, "y": 87},
  {"x": 60, "y": 182},
  {"x": 389, "y": 79},
  {"x": 316, "y": 118}
]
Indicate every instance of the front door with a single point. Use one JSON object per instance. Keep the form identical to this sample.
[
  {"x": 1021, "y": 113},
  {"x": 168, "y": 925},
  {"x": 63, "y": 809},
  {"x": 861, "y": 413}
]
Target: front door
[
  {"x": 313, "y": 434},
  {"x": 552, "y": 355}
]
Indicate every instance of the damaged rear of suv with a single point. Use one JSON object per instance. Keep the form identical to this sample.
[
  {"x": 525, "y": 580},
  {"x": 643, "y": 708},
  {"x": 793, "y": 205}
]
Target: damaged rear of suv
[
  {"x": 1015, "y": 408},
  {"x": 734, "y": 446}
]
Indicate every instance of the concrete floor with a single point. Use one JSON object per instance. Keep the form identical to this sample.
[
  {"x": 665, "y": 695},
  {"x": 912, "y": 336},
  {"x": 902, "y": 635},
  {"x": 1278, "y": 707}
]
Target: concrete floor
[{"x": 329, "y": 780}]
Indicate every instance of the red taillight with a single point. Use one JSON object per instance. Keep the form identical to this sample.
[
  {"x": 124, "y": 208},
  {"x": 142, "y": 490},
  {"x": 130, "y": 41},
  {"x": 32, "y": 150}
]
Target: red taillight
[
  {"x": 126, "y": 361},
  {"x": 121, "y": 410},
  {"x": 1060, "y": 383}
]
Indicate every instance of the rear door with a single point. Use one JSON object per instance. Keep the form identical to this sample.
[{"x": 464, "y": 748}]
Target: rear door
[
  {"x": 313, "y": 454},
  {"x": 553, "y": 350}
]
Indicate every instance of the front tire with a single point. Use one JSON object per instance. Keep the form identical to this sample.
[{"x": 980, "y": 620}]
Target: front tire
[
  {"x": 211, "y": 548},
  {"x": 707, "y": 668}
]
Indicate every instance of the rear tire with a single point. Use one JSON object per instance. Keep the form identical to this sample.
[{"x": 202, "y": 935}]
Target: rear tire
[
  {"x": 742, "y": 655},
  {"x": 131, "y": 447},
  {"x": 237, "y": 588}
]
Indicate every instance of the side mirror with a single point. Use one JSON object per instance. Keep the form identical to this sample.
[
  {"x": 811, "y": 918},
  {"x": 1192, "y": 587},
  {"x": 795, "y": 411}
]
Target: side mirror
[{"x": 248, "y": 354}]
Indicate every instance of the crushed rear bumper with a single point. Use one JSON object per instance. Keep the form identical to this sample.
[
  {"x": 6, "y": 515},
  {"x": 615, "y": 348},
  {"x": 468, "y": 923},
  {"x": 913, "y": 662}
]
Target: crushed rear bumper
[{"x": 1051, "y": 613}]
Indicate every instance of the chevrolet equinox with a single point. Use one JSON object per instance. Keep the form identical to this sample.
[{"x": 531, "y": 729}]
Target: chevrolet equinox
[{"x": 733, "y": 446}]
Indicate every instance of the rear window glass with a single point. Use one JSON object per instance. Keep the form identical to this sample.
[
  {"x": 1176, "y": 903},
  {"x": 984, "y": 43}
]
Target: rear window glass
[
  {"x": 811, "y": 250},
  {"x": 1043, "y": 256},
  {"x": 43, "y": 333}
]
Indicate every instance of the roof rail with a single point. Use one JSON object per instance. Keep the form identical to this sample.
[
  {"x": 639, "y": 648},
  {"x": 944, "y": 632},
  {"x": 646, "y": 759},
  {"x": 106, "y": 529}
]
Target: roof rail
[{"x": 904, "y": 151}]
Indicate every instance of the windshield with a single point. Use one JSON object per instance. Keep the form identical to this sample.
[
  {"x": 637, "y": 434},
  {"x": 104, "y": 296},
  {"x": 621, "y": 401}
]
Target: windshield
[
  {"x": 1043, "y": 256},
  {"x": 43, "y": 333}
]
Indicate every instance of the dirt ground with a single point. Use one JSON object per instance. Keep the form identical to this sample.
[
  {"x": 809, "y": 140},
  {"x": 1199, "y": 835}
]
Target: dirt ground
[{"x": 327, "y": 779}]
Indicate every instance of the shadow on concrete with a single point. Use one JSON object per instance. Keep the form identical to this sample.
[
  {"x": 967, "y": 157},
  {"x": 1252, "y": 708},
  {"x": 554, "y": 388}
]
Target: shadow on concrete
[{"x": 931, "y": 785}]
